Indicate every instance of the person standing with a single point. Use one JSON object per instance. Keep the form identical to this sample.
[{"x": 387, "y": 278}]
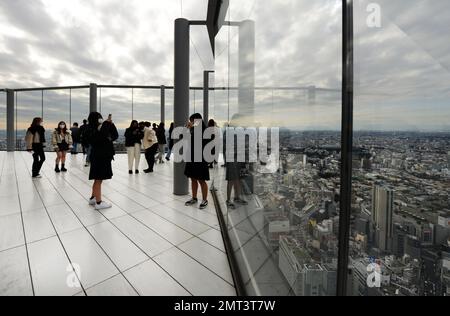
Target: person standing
[
  {"x": 162, "y": 142},
  {"x": 35, "y": 140},
  {"x": 133, "y": 142},
  {"x": 198, "y": 172},
  {"x": 100, "y": 136},
  {"x": 76, "y": 138},
  {"x": 170, "y": 141},
  {"x": 86, "y": 148},
  {"x": 150, "y": 146},
  {"x": 62, "y": 142}
]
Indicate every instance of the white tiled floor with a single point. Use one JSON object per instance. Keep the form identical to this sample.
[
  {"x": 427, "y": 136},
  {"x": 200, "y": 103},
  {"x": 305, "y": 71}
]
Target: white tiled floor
[{"x": 149, "y": 243}]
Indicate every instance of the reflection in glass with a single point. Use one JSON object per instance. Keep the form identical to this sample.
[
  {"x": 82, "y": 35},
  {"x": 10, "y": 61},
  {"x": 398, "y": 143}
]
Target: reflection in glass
[
  {"x": 283, "y": 224},
  {"x": 401, "y": 211}
]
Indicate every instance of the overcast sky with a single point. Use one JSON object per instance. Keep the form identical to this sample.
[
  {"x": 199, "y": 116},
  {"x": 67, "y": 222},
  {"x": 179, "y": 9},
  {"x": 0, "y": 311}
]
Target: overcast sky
[{"x": 402, "y": 69}]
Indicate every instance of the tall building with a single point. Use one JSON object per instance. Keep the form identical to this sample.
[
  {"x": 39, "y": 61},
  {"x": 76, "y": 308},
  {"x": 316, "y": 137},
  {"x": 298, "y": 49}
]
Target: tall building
[{"x": 382, "y": 216}]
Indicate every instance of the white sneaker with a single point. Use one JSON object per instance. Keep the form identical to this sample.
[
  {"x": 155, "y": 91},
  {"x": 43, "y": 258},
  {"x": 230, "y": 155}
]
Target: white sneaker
[
  {"x": 102, "y": 206},
  {"x": 92, "y": 201}
]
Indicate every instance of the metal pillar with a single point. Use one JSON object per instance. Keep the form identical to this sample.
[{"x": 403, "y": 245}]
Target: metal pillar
[
  {"x": 10, "y": 121},
  {"x": 347, "y": 148},
  {"x": 93, "y": 98},
  {"x": 181, "y": 95},
  {"x": 206, "y": 95},
  {"x": 163, "y": 104},
  {"x": 247, "y": 46}
]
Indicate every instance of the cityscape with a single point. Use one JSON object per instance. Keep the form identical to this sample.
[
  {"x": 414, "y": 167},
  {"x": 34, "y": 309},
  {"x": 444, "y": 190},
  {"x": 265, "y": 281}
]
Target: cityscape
[{"x": 400, "y": 213}]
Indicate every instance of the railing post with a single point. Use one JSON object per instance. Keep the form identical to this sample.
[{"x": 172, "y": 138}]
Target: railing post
[
  {"x": 181, "y": 95},
  {"x": 93, "y": 98},
  {"x": 163, "y": 104},
  {"x": 10, "y": 120}
]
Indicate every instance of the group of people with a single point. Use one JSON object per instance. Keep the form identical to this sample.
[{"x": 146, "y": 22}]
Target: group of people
[
  {"x": 151, "y": 138},
  {"x": 97, "y": 137}
]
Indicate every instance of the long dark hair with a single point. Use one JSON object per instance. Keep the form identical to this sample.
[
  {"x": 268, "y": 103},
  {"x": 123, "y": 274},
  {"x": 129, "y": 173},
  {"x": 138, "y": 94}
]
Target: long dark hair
[
  {"x": 133, "y": 123},
  {"x": 64, "y": 130},
  {"x": 36, "y": 123},
  {"x": 198, "y": 116},
  {"x": 93, "y": 119}
]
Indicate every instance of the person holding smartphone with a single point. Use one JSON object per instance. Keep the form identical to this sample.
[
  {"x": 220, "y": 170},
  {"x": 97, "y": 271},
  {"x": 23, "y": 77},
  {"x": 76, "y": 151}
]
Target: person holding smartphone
[
  {"x": 198, "y": 172},
  {"x": 100, "y": 136},
  {"x": 35, "y": 140}
]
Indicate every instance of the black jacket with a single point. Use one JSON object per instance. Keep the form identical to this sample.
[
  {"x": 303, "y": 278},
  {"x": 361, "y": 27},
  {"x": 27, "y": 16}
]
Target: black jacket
[
  {"x": 161, "y": 135},
  {"x": 133, "y": 137},
  {"x": 102, "y": 140}
]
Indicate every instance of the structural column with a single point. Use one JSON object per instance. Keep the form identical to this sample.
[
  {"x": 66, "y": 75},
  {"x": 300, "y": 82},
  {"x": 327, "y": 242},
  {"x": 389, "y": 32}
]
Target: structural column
[
  {"x": 247, "y": 46},
  {"x": 181, "y": 95},
  {"x": 206, "y": 95},
  {"x": 10, "y": 121},
  {"x": 163, "y": 104},
  {"x": 93, "y": 98}
]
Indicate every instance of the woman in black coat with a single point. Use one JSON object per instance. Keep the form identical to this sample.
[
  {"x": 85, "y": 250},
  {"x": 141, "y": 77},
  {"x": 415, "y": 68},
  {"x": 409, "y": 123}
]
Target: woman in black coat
[
  {"x": 198, "y": 172},
  {"x": 100, "y": 136}
]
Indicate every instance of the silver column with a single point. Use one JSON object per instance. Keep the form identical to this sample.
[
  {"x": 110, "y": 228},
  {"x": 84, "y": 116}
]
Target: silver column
[
  {"x": 181, "y": 95},
  {"x": 93, "y": 98},
  {"x": 163, "y": 104},
  {"x": 10, "y": 121}
]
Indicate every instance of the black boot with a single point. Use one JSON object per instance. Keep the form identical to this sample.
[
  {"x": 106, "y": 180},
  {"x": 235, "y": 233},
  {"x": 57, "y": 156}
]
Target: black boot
[
  {"x": 63, "y": 168},
  {"x": 57, "y": 170}
]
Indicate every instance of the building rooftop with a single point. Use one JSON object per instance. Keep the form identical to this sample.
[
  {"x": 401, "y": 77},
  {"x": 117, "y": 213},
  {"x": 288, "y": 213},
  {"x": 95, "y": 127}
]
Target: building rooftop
[{"x": 149, "y": 243}]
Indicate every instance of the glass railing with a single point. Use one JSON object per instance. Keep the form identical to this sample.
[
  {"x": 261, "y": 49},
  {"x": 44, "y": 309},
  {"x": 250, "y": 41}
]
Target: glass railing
[
  {"x": 283, "y": 222},
  {"x": 72, "y": 106},
  {"x": 401, "y": 210}
]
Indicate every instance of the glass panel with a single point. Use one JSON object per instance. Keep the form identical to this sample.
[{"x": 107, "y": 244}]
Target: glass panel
[
  {"x": 2, "y": 120},
  {"x": 147, "y": 105},
  {"x": 169, "y": 106},
  {"x": 283, "y": 213},
  {"x": 118, "y": 102},
  {"x": 80, "y": 105},
  {"x": 401, "y": 211},
  {"x": 28, "y": 106}
]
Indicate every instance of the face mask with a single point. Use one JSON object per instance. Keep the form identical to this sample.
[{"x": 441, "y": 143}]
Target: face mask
[
  {"x": 62, "y": 126},
  {"x": 100, "y": 121}
]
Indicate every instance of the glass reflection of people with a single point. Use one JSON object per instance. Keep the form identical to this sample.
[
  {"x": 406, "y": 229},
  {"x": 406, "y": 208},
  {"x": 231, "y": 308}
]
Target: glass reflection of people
[
  {"x": 234, "y": 169},
  {"x": 100, "y": 136},
  {"x": 213, "y": 124},
  {"x": 198, "y": 172},
  {"x": 35, "y": 140},
  {"x": 62, "y": 142},
  {"x": 170, "y": 141}
]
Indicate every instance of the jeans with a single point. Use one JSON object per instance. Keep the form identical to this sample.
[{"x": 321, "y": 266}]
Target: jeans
[
  {"x": 162, "y": 149},
  {"x": 75, "y": 148},
  {"x": 88, "y": 149},
  {"x": 150, "y": 156},
  {"x": 38, "y": 158},
  {"x": 134, "y": 156}
]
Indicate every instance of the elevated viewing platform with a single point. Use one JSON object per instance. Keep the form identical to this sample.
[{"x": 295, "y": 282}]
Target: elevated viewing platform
[{"x": 148, "y": 244}]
